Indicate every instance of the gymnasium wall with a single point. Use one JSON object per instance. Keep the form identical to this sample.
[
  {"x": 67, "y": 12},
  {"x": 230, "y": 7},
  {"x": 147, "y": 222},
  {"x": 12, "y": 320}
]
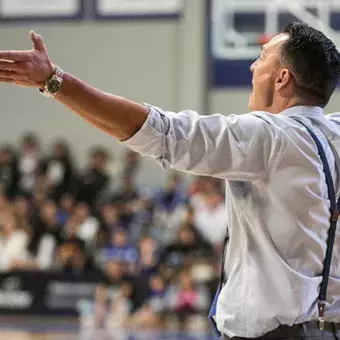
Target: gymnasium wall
[{"x": 154, "y": 61}]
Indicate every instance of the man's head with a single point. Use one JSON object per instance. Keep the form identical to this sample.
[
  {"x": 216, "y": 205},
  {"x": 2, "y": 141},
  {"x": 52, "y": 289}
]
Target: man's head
[{"x": 300, "y": 66}]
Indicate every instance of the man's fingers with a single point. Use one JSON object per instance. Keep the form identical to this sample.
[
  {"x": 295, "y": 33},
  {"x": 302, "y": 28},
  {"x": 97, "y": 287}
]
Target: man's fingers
[
  {"x": 37, "y": 41},
  {"x": 11, "y": 75},
  {"x": 10, "y": 66},
  {"x": 12, "y": 55},
  {"x": 6, "y": 80}
]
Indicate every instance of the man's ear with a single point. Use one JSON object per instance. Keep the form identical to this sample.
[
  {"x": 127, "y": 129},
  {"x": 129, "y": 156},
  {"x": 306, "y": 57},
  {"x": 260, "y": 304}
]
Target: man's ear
[{"x": 283, "y": 79}]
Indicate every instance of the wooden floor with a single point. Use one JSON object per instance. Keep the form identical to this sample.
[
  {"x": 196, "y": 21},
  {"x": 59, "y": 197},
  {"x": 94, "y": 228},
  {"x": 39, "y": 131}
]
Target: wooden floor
[{"x": 52, "y": 329}]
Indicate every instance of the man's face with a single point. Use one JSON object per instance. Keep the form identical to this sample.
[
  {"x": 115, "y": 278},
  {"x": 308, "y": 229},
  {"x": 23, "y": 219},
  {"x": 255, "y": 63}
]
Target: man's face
[{"x": 265, "y": 72}]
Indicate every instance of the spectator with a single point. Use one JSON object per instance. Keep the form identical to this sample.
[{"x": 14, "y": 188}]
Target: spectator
[
  {"x": 28, "y": 163},
  {"x": 210, "y": 218},
  {"x": 148, "y": 257},
  {"x": 109, "y": 222},
  {"x": 37, "y": 199},
  {"x": 44, "y": 239},
  {"x": 88, "y": 225},
  {"x": 170, "y": 206},
  {"x": 4, "y": 203},
  {"x": 21, "y": 210},
  {"x": 112, "y": 298},
  {"x": 109, "y": 216},
  {"x": 179, "y": 254},
  {"x": 79, "y": 263},
  {"x": 186, "y": 299},
  {"x": 94, "y": 179},
  {"x": 13, "y": 242},
  {"x": 125, "y": 200},
  {"x": 120, "y": 250},
  {"x": 58, "y": 170},
  {"x": 65, "y": 208},
  {"x": 9, "y": 172},
  {"x": 131, "y": 164},
  {"x": 151, "y": 314},
  {"x": 70, "y": 245}
]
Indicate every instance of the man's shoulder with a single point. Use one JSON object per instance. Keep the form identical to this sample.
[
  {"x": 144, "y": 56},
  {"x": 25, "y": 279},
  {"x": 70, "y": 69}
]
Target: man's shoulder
[{"x": 335, "y": 117}]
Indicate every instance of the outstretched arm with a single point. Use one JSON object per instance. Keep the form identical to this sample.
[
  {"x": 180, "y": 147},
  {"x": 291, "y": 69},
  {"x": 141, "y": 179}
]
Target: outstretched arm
[
  {"x": 235, "y": 147},
  {"x": 119, "y": 117}
]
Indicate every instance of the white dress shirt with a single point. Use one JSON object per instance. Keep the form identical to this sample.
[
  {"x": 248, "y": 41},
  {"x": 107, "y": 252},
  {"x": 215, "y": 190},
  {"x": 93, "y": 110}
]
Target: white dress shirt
[{"x": 277, "y": 205}]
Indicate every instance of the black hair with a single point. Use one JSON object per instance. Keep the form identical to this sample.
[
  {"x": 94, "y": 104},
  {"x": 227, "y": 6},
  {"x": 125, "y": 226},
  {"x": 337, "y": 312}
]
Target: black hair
[{"x": 314, "y": 62}]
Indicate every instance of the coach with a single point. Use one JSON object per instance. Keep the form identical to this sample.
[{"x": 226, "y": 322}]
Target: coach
[{"x": 280, "y": 165}]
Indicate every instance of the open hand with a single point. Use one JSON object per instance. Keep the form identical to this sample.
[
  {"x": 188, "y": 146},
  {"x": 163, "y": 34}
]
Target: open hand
[{"x": 27, "y": 68}]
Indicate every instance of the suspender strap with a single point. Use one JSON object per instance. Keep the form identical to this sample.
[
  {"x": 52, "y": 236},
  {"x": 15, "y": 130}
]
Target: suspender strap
[
  {"x": 213, "y": 307},
  {"x": 334, "y": 216},
  {"x": 225, "y": 243}
]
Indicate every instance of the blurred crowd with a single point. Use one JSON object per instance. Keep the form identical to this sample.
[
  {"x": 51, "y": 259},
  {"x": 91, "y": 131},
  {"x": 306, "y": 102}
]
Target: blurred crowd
[{"x": 157, "y": 250}]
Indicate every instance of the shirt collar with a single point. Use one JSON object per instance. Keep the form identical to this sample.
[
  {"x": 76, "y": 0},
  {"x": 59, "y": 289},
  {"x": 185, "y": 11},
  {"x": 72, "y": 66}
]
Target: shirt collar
[{"x": 308, "y": 111}]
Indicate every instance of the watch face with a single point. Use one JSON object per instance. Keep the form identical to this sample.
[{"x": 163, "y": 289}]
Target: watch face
[{"x": 54, "y": 85}]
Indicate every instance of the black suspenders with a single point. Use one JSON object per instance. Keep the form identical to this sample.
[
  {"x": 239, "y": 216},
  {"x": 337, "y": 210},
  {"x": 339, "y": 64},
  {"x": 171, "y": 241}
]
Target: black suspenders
[{"x": 334, "y": 215}]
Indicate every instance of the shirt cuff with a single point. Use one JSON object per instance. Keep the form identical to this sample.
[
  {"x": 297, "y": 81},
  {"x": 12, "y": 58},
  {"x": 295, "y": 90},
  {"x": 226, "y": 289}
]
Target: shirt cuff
[{"x": 150, "y": 139}]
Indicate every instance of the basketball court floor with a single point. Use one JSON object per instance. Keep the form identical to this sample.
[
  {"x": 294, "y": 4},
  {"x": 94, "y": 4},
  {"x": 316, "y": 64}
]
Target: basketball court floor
[{"x": 25, "y": 328}]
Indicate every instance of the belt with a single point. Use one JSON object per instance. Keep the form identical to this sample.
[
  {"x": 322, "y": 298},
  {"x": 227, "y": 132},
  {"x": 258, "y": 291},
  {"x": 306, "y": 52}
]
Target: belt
[{"x": 306, "y": 329}]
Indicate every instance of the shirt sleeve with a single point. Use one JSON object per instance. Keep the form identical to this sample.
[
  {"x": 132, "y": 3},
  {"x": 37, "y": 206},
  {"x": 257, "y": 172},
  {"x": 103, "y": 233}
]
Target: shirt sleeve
[{"x": 235, "y": 147}]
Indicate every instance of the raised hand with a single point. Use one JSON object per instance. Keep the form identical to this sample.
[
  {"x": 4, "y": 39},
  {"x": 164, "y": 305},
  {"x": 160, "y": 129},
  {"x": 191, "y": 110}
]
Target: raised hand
[{"x": 27, "y": 68}]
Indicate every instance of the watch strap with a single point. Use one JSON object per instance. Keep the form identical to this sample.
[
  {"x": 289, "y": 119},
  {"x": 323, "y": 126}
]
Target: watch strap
[{"x": 58, "y": 73}]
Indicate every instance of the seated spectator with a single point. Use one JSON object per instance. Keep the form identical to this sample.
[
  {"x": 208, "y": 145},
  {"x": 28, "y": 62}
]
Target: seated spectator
[
  {"x": 79, "y": 263},
  {"x": 124, "y": 199},
  {"x": 112, "y": 303},
  {"x": 148, "y": 257},
  {"x": 13, "y": 242},
  {"x": 36, "y": 200},
  {"x": 58, "y": 170},
  {"x": 151, "y": 314},
  {"x": 210, "y": 218},
  {"x": 20, "y": 206},
  {"x": 4, "y": 203},
  {"x": 169, "y": 207},
  {"x": 131, "y": 164},
  {"x": 9, "y": 172},
  {"x": 181, "y": 253},
  {"x": 186, "y": 299},
  {"x": 126, "y": 193},
  {"x": 65, "y": 208},
  {"x": 70, "y": 245},
  {"x": 109, "y": 222},
  {"x": 28, "y": 163},
  {"x": 44, "y": 238},
  {"x": 88, "y": 225},
  {"x": 120, "y": 250},
  {"x": 94, "y": 178}
]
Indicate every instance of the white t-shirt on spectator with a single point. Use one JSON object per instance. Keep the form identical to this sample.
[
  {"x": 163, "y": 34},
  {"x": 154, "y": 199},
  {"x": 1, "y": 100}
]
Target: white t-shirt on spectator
[
  {"x": 13, "y": 248},
  {"x": 88, "y": 229},
  {"x": 211, "y": 223},
  {"x": 45, "y": 254}
]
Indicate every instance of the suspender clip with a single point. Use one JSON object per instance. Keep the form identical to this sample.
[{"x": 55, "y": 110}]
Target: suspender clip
[
  {"x": 321, "y": 319},
  {"x": 335, "y": 215}
]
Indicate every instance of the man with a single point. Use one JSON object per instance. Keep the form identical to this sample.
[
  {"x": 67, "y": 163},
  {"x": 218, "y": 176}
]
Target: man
[{"x": 278, "y": 207}]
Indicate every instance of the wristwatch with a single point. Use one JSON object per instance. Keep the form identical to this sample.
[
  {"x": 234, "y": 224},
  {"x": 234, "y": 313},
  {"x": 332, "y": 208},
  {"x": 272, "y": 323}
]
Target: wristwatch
[{"x": 54, "y": 83}]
